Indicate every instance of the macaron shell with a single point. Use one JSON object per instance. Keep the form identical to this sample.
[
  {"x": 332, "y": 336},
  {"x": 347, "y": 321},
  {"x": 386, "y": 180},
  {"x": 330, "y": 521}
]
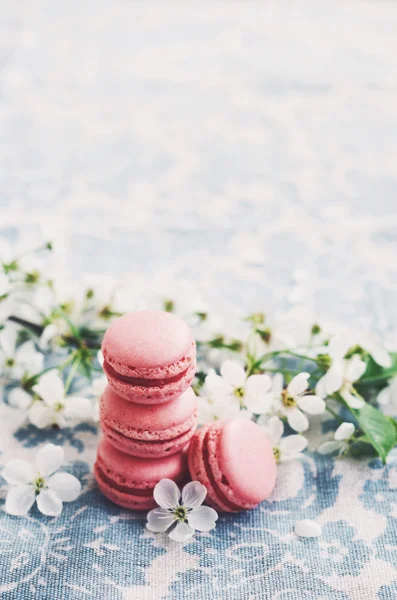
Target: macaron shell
[
  {"x": 126, "y": 500},
  {"x": 157, "y": 392},
  {"x": 151, "y": 449},
  {"x": 151, "y": 423},
  {"x": 244, "y": 458},
  {"x": 129, "y": 481},
  {"x": 149, "y": 344},
  {"x": 200, "y": 472},
  {"x": 235, "y": 461}
]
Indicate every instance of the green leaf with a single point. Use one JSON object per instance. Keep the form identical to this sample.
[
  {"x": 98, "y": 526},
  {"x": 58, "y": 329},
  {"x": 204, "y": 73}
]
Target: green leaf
[{"x": 379, "y": 429}]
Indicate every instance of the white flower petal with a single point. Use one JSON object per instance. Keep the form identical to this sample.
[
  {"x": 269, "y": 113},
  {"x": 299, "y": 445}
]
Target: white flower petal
[
  {"x": 314, "y": 405},
  {"x": 329, "y": 447},
  {"x": 67, "y": 486},
  {"x": 48, "y": 459},
  {"x": 215, "y": 386},
  {"x": 297, "y": 420},
  {"x": 321, "y": 388},
  {"x": 166, "y": 493},
  {"x": 384, "y": 396},
  {"x": 381, "y": 356},
  {"x": 308, "y": 528},
  {"x": 50, "y": 388},
  {"x": 202, "y": 518},
  {"x": 159, "y": 520},
  {"x": 277, "y": 384},
  {"x": 49, "y": 503},
  {"x": 258, "y": 385},
  {"x": 28, "y": 358},
  {"x": 47, "y": 336},
  {"x": 263, "y": 421},
  {"x": 354, "y": 368},
  {"x": 100, "y": 357},
  {"x": 338, "y": 346},
  {"x": 19, "y": 500},
  {"x": 193, "y": 494},
  {"x": 274, "y": 430},
  {"x": 298, "y": 384},
  {"x": 19, "y": 398},
  {"x": 259, "y": 405},
  {"x": 344, "y": 431},
  {"x": 333, "y": 379},
  {"x": 292, "y": 445},
  {"x": 77, "y": 409},
  {"x": 233, "y": 372},
  {"x": 40, "y": 415},
  {"x": 351, "y": 400},
  {"x": 181, "y": 533},
  {"x": 8, "y": 339},
  {"x": 18, "y": 472}
]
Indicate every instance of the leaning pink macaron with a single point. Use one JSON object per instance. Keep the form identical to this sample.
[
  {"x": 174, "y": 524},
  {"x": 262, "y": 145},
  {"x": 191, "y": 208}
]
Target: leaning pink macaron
[
  {"x": 154, "y": 431},
  {"x": 235, "y": 462},
  {"x": 129, "y": 481},
  {"x": 149, "y": 356}
]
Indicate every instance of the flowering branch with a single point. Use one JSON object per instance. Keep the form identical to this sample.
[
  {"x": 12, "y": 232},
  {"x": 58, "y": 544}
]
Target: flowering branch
[{"x": 50, "y": 335}]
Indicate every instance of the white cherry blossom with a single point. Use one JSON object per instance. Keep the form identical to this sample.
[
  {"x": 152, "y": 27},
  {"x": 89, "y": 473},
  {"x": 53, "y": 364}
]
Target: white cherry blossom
[
  {"x": 284, "y": 448},
  {"x": 180, "y": 516},
  {"x": 39, "y": 483},
  {"x": 252, "y": 393},
  {"x": 18, "y": 361},
  {"x": 341, "y": 376},
  {"x": 293, "y": 401},
  {"x": 54, "y": 406},
  {"x": 340, "y": 443}
]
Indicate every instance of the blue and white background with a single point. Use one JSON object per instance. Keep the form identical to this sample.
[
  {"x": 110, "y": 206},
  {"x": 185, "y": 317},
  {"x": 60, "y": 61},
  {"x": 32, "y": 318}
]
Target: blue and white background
[{"x": 245, "y": 152}]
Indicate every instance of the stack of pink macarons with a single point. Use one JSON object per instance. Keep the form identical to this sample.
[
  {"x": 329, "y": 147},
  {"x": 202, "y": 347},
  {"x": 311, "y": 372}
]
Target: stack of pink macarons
[
  {"x": 149, "y": 421},
  {"x": 148, "y": 411}
]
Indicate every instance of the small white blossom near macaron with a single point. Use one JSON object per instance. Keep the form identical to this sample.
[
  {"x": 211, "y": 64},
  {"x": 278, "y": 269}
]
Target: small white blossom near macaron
[
  {"x": 56, "y": 407},
  {"x": 252, "y": 393},
  {"x": 39, "y": 483},
  {"x": 180, "y": 516},
  {"x": 284, "y": 448},
  {"x": 308, "y": 529},
  {"x": 294, "y": 401},
  {"x": 341, "y": 441}
]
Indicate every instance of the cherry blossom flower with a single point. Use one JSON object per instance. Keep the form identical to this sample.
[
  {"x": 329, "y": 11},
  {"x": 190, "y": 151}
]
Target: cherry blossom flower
[
  {"x": 21, "y": 361},
  {"x": 293, "y": 402},
  {"x": 340, "y": 443},
  {"x": 252, "y": 393},
  {"x": 40, "y": 483},
  {"x": 180, "y": 517},
  {"x": 55, "y": 407},
  {"x": 284, "y": 448},
  {"x": 342, "y": 374}
]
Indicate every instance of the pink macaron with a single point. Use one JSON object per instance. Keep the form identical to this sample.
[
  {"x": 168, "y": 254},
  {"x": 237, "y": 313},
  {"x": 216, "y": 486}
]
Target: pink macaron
[
  {"x": 235, "y": 462},
  {"x": 129, "y": 481},
  {"x": 150, "y": 431},
  {"x": 149, "y": 356}
]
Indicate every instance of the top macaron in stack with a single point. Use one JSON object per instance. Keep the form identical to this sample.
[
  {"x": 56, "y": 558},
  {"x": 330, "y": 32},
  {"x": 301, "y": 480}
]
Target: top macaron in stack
[{"x": 148, "y": 411}]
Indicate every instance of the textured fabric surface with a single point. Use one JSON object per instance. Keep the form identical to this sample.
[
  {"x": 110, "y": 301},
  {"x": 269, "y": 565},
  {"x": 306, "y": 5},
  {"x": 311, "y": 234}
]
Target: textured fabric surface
[{"x": 243, "y": 151}]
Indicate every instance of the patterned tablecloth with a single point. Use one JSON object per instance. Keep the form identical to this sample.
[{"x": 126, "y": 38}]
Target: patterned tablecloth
[{"x": 240, "y": 152}]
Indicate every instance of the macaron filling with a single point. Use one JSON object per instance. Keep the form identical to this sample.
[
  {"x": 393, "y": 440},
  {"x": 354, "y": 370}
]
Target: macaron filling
[
  {"x": 142, "y": 382},
  {"x": 146, "y": 492},
  {"x": 207, "y": 465},
  {"x": 153, "y": 441}
]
